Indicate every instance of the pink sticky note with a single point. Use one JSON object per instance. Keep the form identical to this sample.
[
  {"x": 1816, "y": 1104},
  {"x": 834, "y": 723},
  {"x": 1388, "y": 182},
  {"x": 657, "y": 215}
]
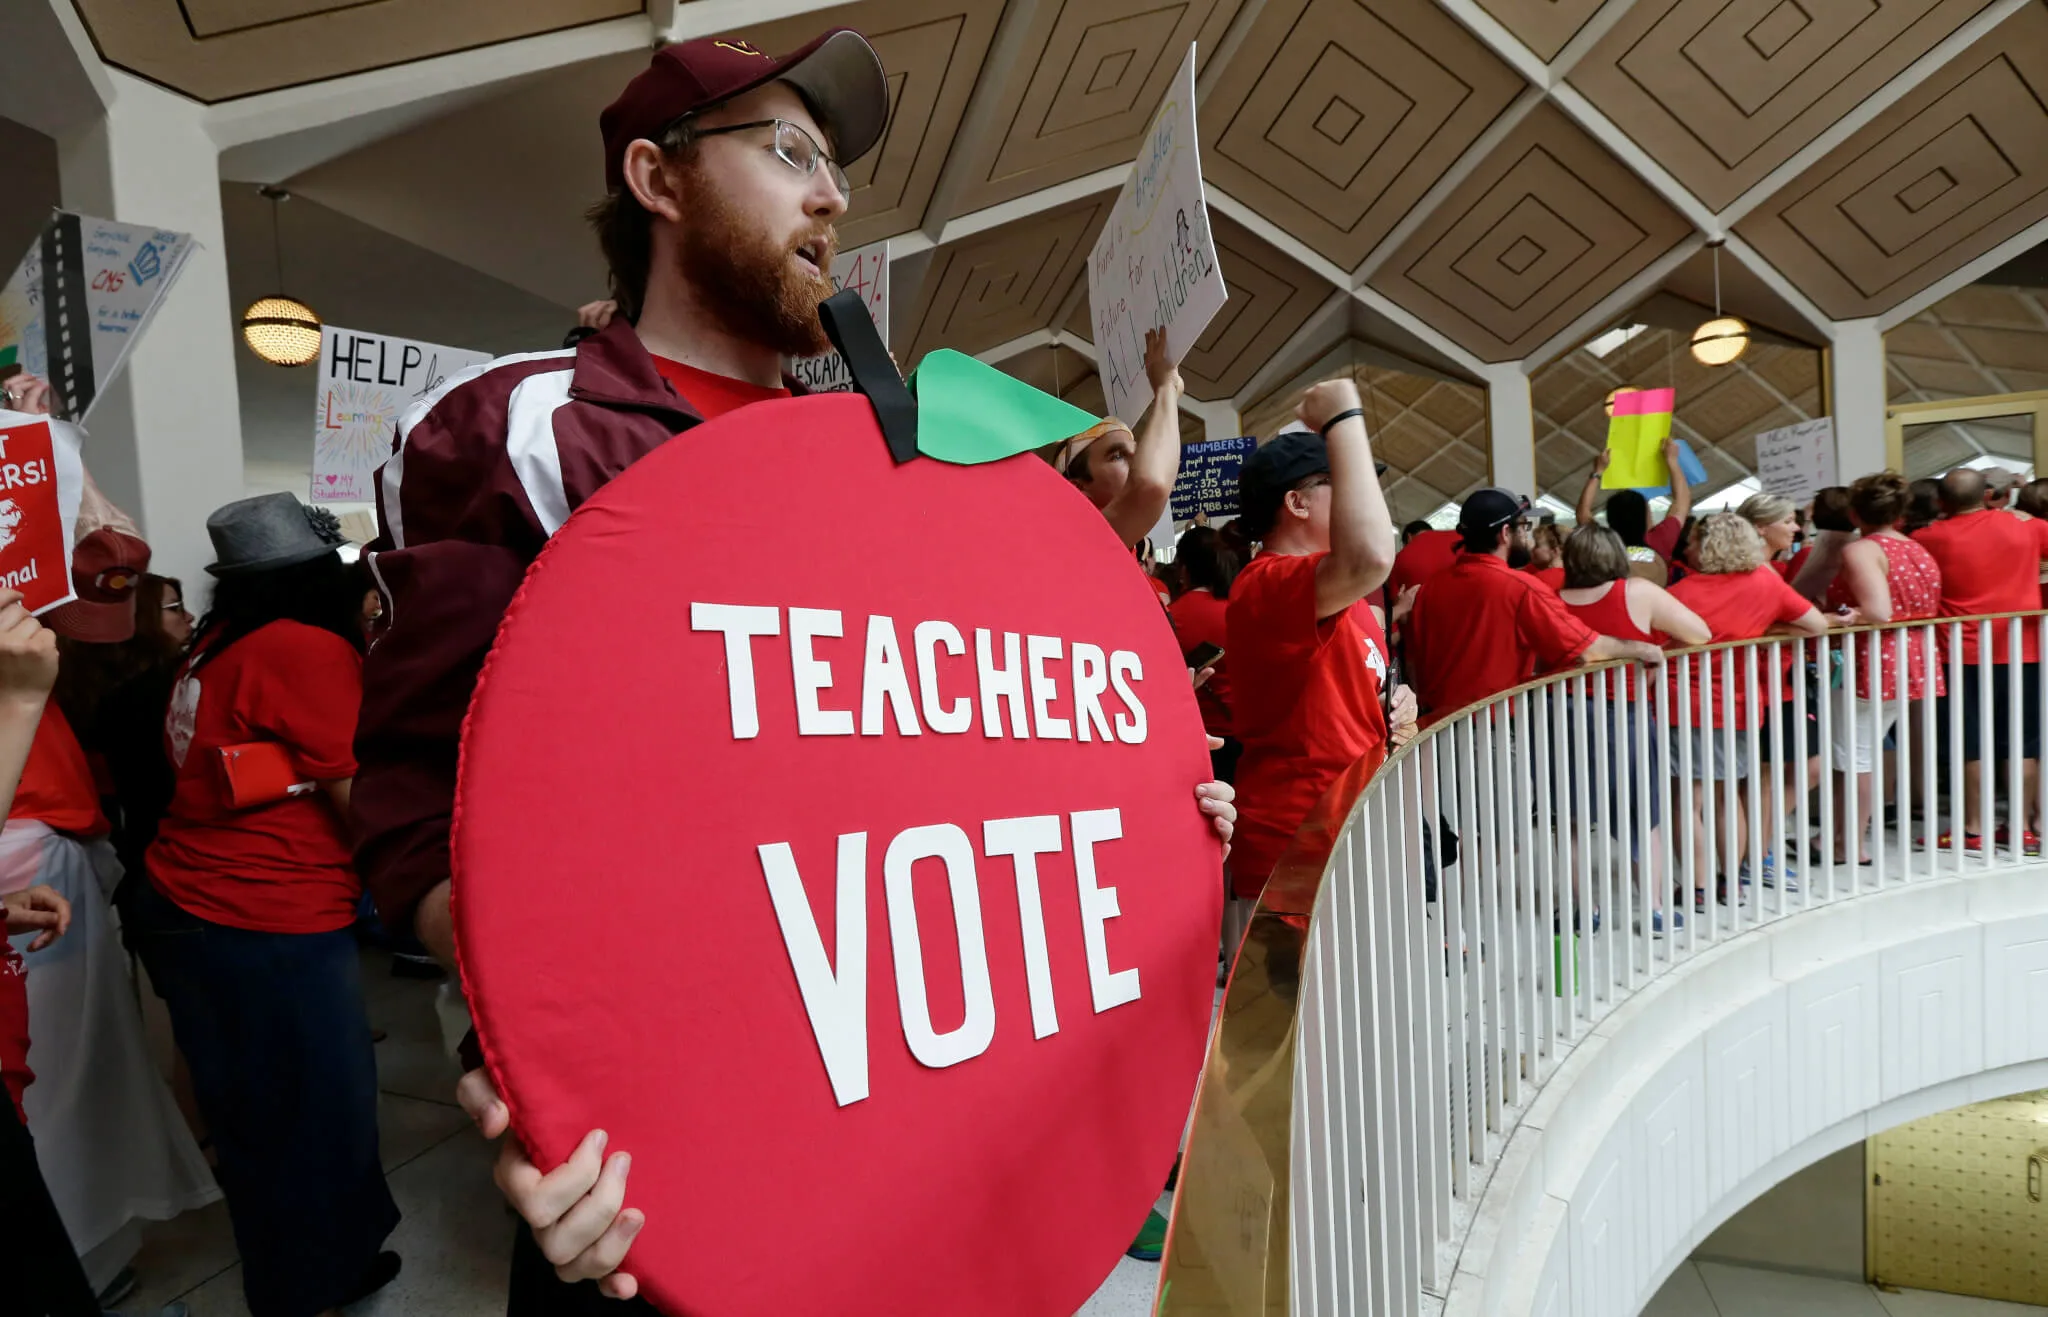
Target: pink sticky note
[{"x": 1644, "y": 402}]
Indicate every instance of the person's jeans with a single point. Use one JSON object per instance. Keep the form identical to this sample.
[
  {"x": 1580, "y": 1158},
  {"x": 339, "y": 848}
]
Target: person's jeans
[{"x": 272, "y": 1026}]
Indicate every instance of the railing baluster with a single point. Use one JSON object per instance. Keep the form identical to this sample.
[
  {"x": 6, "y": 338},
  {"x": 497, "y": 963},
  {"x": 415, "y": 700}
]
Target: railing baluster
[
  {"x": 1347, "y": 976},
  {"x": 1874, "y": 677},
  {"x": 1802, "y": 810},
  {"x": 2015, "y": 798},
  {"x": 1845, "y": 707},
  {"x": 1576, "y": 943},
  {"x": 1771, "y": 796},
  {"x": 1830, "y": 825},
  {"x": 1780, "y": 846},
  {"x": 1929, "y": 638},
  {"x": 1484, "y": 732}
]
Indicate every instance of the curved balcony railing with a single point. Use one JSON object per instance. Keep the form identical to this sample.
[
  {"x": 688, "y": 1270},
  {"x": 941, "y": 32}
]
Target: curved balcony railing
[{"x": 1448, "y": 924}]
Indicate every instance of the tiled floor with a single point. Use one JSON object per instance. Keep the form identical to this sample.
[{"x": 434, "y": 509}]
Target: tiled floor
[
  {"x": 456, "y": 1234},
  {"x": 1711, "y": 1289}
]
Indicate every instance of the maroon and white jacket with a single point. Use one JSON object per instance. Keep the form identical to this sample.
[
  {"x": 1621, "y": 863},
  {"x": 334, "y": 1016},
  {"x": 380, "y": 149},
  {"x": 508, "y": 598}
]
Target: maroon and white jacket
[{"x": 485, "y": 469}]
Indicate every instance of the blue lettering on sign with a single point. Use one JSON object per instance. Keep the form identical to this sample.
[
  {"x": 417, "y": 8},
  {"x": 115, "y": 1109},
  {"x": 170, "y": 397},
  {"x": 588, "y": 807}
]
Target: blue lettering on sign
[
  {"x": 148, "y": 263},
  {"x": 1207, "y": 482}
]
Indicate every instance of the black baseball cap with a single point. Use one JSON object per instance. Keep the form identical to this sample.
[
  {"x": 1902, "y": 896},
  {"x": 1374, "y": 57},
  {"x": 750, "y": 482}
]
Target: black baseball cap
[
  {"x": 1490, "y": 509},
  {"x": 1272, "y": 470}
]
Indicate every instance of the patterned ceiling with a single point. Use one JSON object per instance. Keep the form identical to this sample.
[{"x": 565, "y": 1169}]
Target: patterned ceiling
[{"x": 1454, "y": 181}]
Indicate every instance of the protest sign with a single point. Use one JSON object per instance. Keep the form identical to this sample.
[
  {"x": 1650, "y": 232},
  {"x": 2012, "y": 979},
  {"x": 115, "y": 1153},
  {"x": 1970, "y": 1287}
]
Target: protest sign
[
  {"x": 1689, "y": 464},
  {"x": 1155, "y": 261},
  {"x": 1797, "y": 461},
  {"x": 105, "y": 277},
  {"x": 1207, "y": 482},
  {"x": 41, "y": 482},
  {"x": 1635, "y": 435},
  {"x": 904, "y": 917},
  {"x": 366, "y": 382},
  {"x": 866, "y": 271}
]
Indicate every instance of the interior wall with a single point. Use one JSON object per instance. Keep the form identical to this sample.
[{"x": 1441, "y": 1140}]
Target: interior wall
[
  {"x": 1812, "y": 1223},
  {"x": 28, "y": 166}
]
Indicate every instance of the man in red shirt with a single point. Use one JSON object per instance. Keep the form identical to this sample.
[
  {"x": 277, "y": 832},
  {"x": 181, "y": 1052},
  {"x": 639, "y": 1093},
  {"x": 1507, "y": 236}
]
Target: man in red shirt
[
  {"x": 1426, "y": 553},
  {"x": 1308, "y": 659},
  {"x": 1990, "y": 563},
  {"x": 1485, "y": 625}
]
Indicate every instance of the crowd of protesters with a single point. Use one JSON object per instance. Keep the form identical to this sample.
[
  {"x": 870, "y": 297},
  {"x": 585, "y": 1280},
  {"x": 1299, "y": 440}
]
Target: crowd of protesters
[{"x": 144, "y": 822}]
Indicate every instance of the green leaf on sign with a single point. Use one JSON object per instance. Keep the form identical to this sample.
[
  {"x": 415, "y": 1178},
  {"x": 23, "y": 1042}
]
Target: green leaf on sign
[{"x": 968, "y": 412}]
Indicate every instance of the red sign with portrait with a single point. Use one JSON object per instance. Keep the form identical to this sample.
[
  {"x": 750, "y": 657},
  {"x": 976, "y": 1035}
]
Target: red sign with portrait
[{"x": 827, "y": 836}]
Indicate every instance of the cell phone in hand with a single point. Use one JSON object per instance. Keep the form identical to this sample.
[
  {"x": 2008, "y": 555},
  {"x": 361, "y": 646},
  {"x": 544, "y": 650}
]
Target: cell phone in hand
[{"x": 1204, "y": 655}]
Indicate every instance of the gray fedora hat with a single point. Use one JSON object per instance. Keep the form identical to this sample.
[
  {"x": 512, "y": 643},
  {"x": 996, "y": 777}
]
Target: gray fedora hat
[{"x": 263, "y": 533}]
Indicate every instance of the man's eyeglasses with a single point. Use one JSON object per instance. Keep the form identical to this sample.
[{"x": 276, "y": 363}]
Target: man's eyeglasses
[{"x": 794, "y": 147}]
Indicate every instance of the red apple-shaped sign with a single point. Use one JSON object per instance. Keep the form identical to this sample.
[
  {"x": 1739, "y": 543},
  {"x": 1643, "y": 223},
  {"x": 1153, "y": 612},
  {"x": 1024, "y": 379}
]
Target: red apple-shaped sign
[{"x": 827, "y": 836}]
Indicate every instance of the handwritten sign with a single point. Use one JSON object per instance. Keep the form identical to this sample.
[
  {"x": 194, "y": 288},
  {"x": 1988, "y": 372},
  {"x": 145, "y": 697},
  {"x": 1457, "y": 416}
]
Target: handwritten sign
[
  {"x": 1207, "y": 481},
  {"x": 365, "y": 384},
  {"x": 101, "y": 276},
  {"x": 1797, "y": 461},
  {"x": 41, "y": 483},
  {"x": 866, "y": 271},
  {"x": 1155, "y": 263},
  {"x": 1635, "y": 435}
]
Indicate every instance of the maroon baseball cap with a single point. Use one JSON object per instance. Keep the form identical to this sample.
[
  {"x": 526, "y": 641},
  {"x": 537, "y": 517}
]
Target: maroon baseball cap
[
  {"x": 106, "y": 566},
  {"x": 839, "y": 76}
]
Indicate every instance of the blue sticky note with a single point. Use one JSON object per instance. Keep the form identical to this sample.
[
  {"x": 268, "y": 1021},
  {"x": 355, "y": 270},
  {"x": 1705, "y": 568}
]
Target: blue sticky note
[{"x": 1688, "y": 462}]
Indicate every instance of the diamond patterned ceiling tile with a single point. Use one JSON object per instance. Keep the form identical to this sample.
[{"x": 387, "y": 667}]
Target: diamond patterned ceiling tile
[
  {"x": 1455, "y": 470},
  {"x": 1791, "y": 371},
  {"x": 1453, "y": 408},
  {"x": 1864, "y": 228},
  {"x": 1402, "y": 388},
  {"x": 1003, "y": 283},
  {"x": 1407, "y": 442},
  {"x": 2000, "y": 349},
  {"x": 1332, "y": 118},
  {"x": 1991, "y": 306},
  {"x": 214, "y": 50},
  {"x": 1944, "y": 379},
  {"x": 1271, "y": 296},
  {"x": 1548, "y": 182},
  {"x": 1093, "y": 73},
  {"x": 933, "y": 52},
  {"x": 1721, "y": 92},
  {"x": 1727, "y": 407},
  {"x": 1544, "y": 26},
  {"x": 1918, "y": 338}
]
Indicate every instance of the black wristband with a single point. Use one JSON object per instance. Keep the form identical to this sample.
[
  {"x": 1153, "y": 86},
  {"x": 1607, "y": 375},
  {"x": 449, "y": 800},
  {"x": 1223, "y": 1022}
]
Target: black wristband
[{"x": 1339, "y": 419}]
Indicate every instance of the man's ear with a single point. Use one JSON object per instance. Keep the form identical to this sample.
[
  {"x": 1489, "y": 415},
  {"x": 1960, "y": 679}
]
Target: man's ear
[{"x": 651, "y": 180}]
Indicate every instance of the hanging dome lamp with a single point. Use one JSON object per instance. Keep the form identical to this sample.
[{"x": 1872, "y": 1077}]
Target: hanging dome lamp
[
  {"x": 279, "y": 328},
  {"x": 1724, "y": 338}
]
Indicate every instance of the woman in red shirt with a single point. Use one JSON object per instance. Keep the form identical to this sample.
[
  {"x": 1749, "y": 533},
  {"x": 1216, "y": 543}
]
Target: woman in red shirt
[
  {"x": 1601, "y": 590},
  {"x": 1207, "y": 567},
  {"x": 245, "y": 921},
  {"x": 1739, "y": 597},
  {"x": 1884, "y": 577}
]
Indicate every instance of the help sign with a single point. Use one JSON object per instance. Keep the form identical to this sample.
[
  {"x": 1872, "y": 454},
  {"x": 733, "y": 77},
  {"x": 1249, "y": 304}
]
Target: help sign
[{"x": 827, "y": 836}]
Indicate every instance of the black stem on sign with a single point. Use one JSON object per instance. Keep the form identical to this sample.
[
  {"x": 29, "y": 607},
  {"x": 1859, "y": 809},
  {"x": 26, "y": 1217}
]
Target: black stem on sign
[{"x": 852, "y": 331}]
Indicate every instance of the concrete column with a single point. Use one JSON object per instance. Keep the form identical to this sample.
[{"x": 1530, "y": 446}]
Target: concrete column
[
  {"x": 166, "y": 437},
  {"x": 1856, "y": 398},
  {"x": 1511, "y": 430},
  {"x": 1220, "y": 420}
]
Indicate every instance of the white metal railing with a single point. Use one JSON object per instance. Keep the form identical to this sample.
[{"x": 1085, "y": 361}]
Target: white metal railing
[{"x": 1484, "y": 899}]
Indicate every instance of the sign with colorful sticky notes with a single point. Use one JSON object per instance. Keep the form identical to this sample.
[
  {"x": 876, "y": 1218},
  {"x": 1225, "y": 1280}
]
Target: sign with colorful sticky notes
[
  {"x": 1635, "y": 435},
  {"x": 1688, "y": 462}
]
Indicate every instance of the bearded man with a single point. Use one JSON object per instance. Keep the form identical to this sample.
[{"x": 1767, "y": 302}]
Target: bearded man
[{"x": 725, "y": 172}]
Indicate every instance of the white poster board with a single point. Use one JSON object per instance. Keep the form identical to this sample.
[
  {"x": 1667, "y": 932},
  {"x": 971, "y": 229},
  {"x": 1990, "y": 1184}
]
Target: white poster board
[
  {"x": 1797, "y": 461},
  {"x": 366, "y": 382},
  {"x": 866, "y": 271},
  {"x": 104, "y": 276},
  {"x": 1155, "y": 263}
]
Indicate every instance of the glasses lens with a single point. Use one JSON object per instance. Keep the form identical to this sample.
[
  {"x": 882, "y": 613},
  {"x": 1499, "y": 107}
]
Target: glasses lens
[{"x": 802, "y": 153}]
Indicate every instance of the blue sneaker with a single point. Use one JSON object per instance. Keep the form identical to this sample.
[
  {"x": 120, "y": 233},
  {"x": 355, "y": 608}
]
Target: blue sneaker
[
  {"x": 1657, "y": 922},
  {"x": 1784, "y": 875}
]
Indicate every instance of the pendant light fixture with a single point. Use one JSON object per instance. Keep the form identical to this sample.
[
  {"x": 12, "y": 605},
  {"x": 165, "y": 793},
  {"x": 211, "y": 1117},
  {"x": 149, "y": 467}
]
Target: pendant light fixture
[
  {"x": 1724, "y": 338},
  {"x": 280, "y": 329}
]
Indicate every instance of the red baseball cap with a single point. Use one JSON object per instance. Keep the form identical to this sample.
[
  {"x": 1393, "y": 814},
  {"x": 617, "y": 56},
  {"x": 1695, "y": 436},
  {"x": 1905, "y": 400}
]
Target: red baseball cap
[
  {"x": 839, "y": 75},
  {"x": 106, "y": 566}
]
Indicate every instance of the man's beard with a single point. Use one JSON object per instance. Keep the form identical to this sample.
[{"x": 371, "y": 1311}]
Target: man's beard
[
  {"x": 749, "y": 281},
  {"x": 1518, "y": 555}
]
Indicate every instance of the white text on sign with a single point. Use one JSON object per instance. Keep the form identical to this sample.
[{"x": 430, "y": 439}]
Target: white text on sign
[
  {"x": 836, "y": 996},
  {"x": 1014, "y": 673}
]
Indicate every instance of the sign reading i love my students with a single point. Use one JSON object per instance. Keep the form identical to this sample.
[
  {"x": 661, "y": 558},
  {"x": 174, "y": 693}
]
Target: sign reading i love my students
[{"x": 845, "y": 869}]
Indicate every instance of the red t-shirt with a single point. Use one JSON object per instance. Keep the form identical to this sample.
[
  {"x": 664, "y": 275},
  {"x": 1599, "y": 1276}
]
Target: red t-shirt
[
  {"x": 277, "y": 868},
  {"x": 1482, "y": 627},
  {"x": 1305, "y": 701},
  {"x": 1423, "y": 557},
  {"x": 1990, "y": 563},
  {"x": 57, "y": 785},
  {"x": 1736, "y": 606},
  {"x": 1663, "y": 537},
  {"x": 1198, "y": 620},
  {"x": 1553, "y": 577},
  {"x": 712, "y": 395},
  {"x": 1161, "y": 588},
  {"x": 1789, "y": 568}
]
